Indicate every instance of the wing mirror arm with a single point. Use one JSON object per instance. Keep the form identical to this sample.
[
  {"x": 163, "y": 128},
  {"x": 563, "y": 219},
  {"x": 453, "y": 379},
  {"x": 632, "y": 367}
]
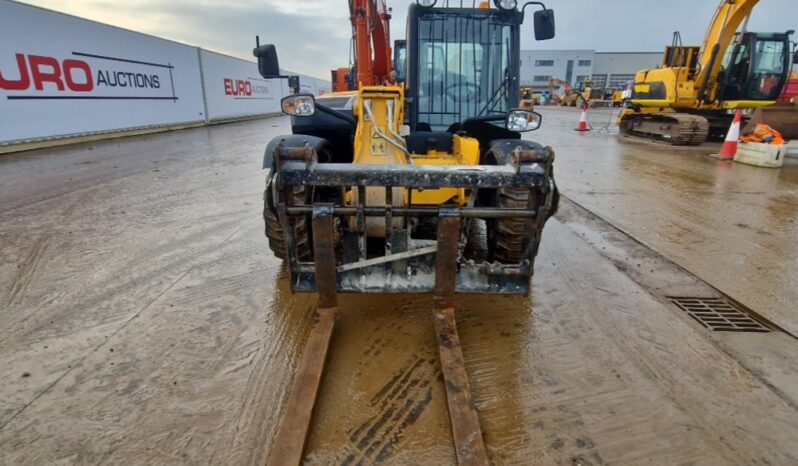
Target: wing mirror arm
[{"x": 542, "y": 6}]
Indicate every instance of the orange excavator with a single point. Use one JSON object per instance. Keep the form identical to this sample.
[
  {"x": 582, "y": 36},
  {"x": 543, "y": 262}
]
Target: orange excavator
[{"x": 371, "y": 39}]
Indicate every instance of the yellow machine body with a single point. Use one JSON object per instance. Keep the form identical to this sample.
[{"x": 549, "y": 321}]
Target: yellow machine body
[
  {"x": 680, "y": 92},
  {"x": 380, "y": 114}
]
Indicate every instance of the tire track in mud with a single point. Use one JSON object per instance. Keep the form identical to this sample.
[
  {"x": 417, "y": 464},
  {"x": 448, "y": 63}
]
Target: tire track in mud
[
  {"x": 127, "y": 319},
  {"x": 95, "y": 349},
  {"x": 399, "y": 402},
  {"x": 27, "y": 272},
  {"x": 111, "y": 287},
  {"x": 253, "y": 433}
]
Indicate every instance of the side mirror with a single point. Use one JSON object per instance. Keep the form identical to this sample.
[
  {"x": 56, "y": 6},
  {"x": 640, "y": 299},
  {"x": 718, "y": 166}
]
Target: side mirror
[
  {"x": 544, "y": 24},
  {"x": 268, "y": 65},
  {"x": 523, "y": 120},
  {"x": 299, "y": 105},
  {"x": 795, "y": 58}
]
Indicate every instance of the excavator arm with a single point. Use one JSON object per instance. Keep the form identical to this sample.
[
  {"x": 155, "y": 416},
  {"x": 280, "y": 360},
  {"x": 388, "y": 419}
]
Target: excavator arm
[{"x": 372, "y": 38}]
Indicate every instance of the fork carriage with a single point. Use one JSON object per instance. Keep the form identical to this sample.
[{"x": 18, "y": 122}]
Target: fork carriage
[{"x": 402, "y": 260}]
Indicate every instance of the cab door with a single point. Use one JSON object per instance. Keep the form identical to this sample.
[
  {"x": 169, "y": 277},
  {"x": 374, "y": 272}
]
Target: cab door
[{"x": 754, "y": 67}]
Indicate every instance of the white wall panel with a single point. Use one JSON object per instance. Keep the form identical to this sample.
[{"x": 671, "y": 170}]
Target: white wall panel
[
  {"x": 233, "y": 87},
  {"x": 61, "y": 75}
]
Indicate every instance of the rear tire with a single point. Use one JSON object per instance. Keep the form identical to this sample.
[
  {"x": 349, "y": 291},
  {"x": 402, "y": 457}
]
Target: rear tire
[{"x": 274, "y": 229}]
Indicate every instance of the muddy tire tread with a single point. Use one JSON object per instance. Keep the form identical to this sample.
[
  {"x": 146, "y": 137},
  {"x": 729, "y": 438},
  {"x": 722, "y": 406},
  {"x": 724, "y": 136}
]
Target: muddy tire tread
[{"x": 274, "y": 229}]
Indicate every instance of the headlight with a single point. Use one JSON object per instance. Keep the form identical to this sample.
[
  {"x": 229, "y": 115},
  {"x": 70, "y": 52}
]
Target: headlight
[
  {"x": 506, "y": 4},
  {"x": 522, "y": 120},
  {"x": 298, "y": 105},
  {"x": 427, "y": 3}
]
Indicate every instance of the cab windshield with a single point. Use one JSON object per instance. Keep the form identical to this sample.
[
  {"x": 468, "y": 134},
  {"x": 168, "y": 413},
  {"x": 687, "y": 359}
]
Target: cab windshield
[
  {"x": 463, "y": 68},
  {"x": 768, "y": 69}
]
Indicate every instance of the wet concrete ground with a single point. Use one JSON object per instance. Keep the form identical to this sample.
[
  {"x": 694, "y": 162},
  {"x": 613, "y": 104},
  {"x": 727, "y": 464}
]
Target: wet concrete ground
[
  {"x": 144, "y": 321},
  {"x": 734, "y": 225}
]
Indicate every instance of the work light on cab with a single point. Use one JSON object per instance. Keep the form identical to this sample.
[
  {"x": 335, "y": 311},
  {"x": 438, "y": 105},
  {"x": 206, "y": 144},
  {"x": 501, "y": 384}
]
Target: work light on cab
[
  {"x": 299, "y": 105},
  {"x": 427, "y": 3},
  {"x": 506, "y": 4}
]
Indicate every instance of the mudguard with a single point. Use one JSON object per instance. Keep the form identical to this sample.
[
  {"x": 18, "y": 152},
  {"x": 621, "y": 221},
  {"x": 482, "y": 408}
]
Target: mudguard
[
  {"x": 503, "y": 149},
  {"x": 290, "y": 141}
]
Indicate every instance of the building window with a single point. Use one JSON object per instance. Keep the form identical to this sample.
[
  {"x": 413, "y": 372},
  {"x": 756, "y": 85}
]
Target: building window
[
  {"x": 584, "y": 63},
  {"x": 618, "y": 81},
  {"x": 582, "y": 77},
  {"x": 541, "y": 79},
  {"x": 544, "y": 62},
  {"x": 600, "y": 80}
]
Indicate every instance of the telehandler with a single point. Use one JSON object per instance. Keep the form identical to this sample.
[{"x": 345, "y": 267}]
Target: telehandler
[
  {"x": 424, "y": 186},
  {"x": 447, "y": 143}
]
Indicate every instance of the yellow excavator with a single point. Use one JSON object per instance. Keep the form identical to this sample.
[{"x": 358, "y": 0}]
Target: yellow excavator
[
  {"x": 693, "y": 95},
  {"x": 568, "y": 98}
]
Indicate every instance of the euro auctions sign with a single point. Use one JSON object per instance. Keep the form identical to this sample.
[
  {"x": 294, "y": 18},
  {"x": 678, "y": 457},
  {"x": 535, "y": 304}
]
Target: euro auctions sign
[
  {"x": 233, "y": 88},
  {"x": 249, "y": 88},
  {"x": 63, "y": 76},
  {"x": 84, "y": 75}
]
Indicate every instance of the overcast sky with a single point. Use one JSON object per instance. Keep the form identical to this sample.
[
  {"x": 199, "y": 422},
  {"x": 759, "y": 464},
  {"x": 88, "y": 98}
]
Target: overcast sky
[{"x": 312, "y": 36}]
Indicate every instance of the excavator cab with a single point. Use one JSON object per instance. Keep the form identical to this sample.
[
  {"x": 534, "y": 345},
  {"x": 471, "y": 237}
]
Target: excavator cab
[{"x": 755, "y": 67}]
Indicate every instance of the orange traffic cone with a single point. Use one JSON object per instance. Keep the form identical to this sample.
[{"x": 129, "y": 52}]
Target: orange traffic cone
[
  {"x": 582, "y": 126},
  {"x": 729, "y": 148}
]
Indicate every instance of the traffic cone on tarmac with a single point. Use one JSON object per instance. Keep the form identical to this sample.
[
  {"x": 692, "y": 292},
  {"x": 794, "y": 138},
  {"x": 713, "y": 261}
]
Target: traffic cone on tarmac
[
  {"x": 582, "y": 126},
  {"x": 729, "y": 149}
]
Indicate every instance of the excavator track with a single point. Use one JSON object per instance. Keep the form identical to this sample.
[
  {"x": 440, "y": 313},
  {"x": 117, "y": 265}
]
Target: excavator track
[{"x": 676, "y": 129}]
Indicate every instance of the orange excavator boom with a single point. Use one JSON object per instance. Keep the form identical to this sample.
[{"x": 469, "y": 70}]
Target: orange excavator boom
[{"x": 371, "y": 36}]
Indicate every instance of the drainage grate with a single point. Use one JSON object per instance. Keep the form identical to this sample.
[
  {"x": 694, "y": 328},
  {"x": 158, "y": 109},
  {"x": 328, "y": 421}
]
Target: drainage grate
[{"x": 718, "y": 314}]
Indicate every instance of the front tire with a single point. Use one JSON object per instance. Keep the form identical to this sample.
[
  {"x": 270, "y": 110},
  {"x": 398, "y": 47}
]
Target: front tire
[
  {"x": 506, "y": 236},
  {"x": 274, "y": 229}
]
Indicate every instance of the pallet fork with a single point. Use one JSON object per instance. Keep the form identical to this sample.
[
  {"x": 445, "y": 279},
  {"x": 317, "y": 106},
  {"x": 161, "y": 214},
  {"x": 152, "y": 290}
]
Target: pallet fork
[{"x": 290, "y": 440}]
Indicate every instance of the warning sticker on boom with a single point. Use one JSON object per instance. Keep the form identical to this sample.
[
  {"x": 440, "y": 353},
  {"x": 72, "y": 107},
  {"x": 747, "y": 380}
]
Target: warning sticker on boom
[{"x": 378, "y": 144}]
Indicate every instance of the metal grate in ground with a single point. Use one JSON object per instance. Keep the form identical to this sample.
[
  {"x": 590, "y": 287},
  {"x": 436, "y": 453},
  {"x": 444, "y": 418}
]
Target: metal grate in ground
[{"x": 718, "y": 314}]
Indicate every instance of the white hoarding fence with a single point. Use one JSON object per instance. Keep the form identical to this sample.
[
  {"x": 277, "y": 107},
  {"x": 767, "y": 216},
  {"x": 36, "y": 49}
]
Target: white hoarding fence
[
  {"x": 61, "y": 75},
  {"x": 308, "y": 84},
  {"x": 234, "y": 89}
]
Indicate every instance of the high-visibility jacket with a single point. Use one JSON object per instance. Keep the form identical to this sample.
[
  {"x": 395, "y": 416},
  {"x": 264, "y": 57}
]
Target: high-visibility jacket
[{"x": 763, "y": 133}]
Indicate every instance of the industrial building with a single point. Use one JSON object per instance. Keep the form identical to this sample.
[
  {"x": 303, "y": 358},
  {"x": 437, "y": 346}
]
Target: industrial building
[{"x": 606, "y": 69}]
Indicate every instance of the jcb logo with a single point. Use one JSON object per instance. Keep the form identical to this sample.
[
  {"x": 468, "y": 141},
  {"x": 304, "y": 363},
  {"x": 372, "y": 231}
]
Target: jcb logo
[{"x": 37, "y": 70}]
